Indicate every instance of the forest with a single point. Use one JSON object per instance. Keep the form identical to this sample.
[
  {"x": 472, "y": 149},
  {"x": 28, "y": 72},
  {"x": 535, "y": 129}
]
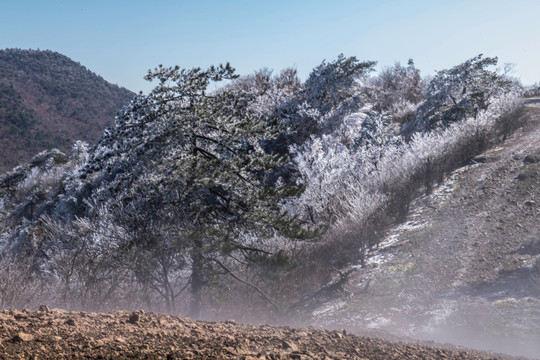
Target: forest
[
  {"x": 246, "y": 199},
  {"x": 48, "y": 101}
]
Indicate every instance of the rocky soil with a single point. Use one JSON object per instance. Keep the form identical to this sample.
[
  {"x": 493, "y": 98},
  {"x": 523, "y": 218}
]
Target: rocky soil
[
  {"x": 47, "y": 334},
  {"x": 465, "y": 267}
]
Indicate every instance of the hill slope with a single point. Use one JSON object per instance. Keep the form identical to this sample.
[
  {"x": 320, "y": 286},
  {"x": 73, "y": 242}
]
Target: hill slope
[
  {"x": 140, "y": 335},
  {"x": 464, "y": 268},
  {"x": 47, "y": 100}
]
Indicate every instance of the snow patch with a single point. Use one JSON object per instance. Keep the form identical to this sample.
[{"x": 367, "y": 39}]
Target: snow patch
[
  {"x": 379, "y": 259},
  {"x": 379, "y": 323},
  {"x": 413, "y": 224},
  {"x": 329, "y": 308}
]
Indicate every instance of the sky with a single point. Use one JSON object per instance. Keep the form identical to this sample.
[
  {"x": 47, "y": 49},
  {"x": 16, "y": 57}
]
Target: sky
[{"x": 121, "y": 40}]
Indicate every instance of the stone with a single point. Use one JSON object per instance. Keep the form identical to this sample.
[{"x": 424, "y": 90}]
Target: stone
[
  {"x": 134, "y": 318},
  {"x": 523, "y": 176},
  {"x": 531, "y": 159},
  {"x": 480, "y": 158},
  {"x": 290, "y": 346},
  {"x": 21, "y": 337}
]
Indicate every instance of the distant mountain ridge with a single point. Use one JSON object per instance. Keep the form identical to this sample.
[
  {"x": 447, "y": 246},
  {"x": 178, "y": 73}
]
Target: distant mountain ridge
[{"x": 49, "y": 101}]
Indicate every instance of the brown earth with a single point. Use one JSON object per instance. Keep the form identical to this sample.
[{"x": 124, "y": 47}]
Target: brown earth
[{"x": 47, "y": 334}]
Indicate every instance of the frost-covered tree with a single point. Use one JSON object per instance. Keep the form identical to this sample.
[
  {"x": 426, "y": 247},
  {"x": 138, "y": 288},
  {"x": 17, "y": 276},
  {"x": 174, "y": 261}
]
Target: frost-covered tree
[
  {"x": 532, "y": 90},
  {"x": 191, "y": 186},
  {"x": 272, "y": 96},
  {"x": 396, "y": 90},
  {"x": 83, "y": 258},
  {"x": 194, "y": 159},
  {"x": 361, "y": 173},
  {"x": 460, "y": 92},
  {"x": 330, "y": 84},
  {"x": 31, "y": 190},
  {"x": 331, "y": 92}
]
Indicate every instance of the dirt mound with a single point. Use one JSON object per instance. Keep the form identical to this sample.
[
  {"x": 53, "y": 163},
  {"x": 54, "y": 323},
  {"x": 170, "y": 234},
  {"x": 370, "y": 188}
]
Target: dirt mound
[{"x": 58, "y": 334}]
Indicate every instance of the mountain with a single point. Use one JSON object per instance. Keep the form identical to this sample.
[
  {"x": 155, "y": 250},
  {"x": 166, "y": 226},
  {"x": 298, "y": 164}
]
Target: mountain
[{"x": 48, "y": 101}]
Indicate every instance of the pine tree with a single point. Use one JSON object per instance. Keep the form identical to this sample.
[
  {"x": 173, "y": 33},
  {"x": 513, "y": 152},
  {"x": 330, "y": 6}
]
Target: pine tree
[
  {"x": 460, "y": 92},
  {"x": 188, "y": 160}
]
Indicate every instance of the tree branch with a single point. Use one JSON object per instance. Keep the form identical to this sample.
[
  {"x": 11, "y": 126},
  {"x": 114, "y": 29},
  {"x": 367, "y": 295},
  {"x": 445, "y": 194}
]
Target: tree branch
[{"x": 246, "y": 283}]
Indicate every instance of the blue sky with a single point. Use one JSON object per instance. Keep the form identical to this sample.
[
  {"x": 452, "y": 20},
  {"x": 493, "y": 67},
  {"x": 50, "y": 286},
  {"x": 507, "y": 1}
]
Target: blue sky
[{"x": 121, "y": 40}]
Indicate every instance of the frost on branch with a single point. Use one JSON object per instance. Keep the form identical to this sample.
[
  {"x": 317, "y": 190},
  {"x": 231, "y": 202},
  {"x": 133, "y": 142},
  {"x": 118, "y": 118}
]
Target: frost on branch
[
  {"x": 192, "y": 195},
  {"x": 460, "y": 92}
]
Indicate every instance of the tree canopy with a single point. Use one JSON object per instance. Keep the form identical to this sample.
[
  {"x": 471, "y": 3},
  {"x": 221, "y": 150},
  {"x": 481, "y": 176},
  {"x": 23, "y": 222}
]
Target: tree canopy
[{"x": 193, "y": 157}]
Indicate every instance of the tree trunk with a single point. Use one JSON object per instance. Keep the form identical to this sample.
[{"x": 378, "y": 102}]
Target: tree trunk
[{"x": 197, "y": 279}]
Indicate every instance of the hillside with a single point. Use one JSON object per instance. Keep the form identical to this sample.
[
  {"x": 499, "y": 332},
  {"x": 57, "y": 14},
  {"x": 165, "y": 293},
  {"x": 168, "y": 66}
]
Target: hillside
[
  {"x": 464, "y": 267},
  {"x": 244, "y": 202},
  {"x": 48, "y": 101},
  {"x": 122, "y": 335}
]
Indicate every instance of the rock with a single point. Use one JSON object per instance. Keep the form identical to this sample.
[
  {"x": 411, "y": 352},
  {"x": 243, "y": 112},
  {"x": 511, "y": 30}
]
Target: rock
[
  {"x": 134, "y": 318},
  {"x": 44, "y": 308},
  {"x": 290, "y": 346},
  {"x": 532, "y": 159},
  {"x": 70, "y": 322},
  {"x": 480, "y": 158},
  {"x": 523, "y": 176},
  {"x": 230, "y": 350},
  {"x": 21, "y": 337},
  {"x": 120, "y": 339},
  {"x": 20, "y": 317}
]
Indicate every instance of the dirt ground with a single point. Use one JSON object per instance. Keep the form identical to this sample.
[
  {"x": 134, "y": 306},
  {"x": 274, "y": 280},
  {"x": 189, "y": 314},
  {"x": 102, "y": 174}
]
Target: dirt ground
[{"x": 55, "y": 334}]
